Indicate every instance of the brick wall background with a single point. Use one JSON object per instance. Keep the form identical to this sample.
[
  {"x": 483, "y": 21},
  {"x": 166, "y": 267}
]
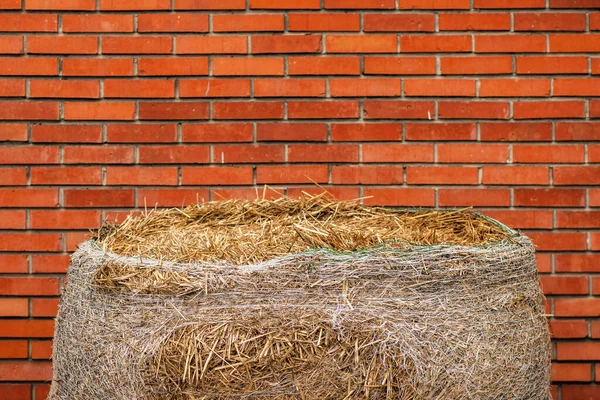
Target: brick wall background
[{"x": 112, "y": 105}]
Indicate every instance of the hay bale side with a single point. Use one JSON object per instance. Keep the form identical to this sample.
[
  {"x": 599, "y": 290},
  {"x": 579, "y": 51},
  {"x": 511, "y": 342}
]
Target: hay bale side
[{"x": 408, "y": 322}]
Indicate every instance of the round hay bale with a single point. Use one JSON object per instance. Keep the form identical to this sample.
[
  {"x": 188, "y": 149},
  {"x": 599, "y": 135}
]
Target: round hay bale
[{"x": 302, "y": 299}]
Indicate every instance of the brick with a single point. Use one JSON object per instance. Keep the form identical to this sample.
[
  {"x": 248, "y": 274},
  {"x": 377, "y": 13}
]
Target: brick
[
  {"x": 139, "y": 88},
  {"x": 289, "y": 87},
  {"x": 571, "y": 372},
  {"x": 13, "y": 133},
  {"x": 11, "y": 45},
  {"x": 95, "y": 198},
  {"x": 41, "y": 350},
  {"x": 516, "y": 131},
  {"x": 361, "y": 43},
  {"x": 28, "y": 155},
  {"x": 522, "y": 219},
  {"x": 16, "y": 391},
  {"x": 574, "y": 43},
  {"x": 594, "y": 241},
  {"x": 435, "y": 44},
  {"x": 66, "y": 133},
  {"x": 475, "y": 22},
  {"x": 397, "y": 153},
  {"x": 400, "y": 197},
  {"x": 594, "y": 108},
  {"x": 367, "y": 175},
  {"x": 97, "y": 67},
  {"x": 216, "y": 175},
  {"x": 399, "y": 22},
  {"x": 215, "y": 133},
  {"x": 573, "y": 4},
  {"x": 11, "y": 5},
  {"x": 235, "y": 66},
  {"x": 74, "y": 239},
  {"x": 266, "y": 192},
  {"x": 11, "y": 307},
  {"x": 473, "y": 110},
  {"x": 553, "y": 154},
  {"x": 322, "y": 153},
  {"x": 66, "y": 176},
  {"x": 212, "y": 45},
  {"x": 569, "y": 329},
  {"x": 286, "y": 44},
  {"x": 64, "y": 89},
  {"x": 549, "y": 197},
  {"x": 248, "y": 23},
  {"x": 487, "y": 4},
  {"x": 381, "y": 109},
  {"x": 14, "y": 349},
  {"x": 22, "y": 197},
  {"x": 342, "y": 193},
  {"x": 25, "y": 371},
  {"x": 64, "y": 219},
  {"x": 125, "y": 5},
  {"x": 62, "y": 5},
  {"x": 399, "y": 66},
  {"x": 553, "y": 109},
  {"x": 594, "y": 197},
  {"x": 50, "y": 264},
  {"x": 577, "y": 263},
  {"x": 10, "y": 219},
  {"x": 30, "y": 242},
  {"x": 285, "y": 4},
  {"x": 173, "y": 111},
  {"x": 86, "y": 111},
  {"x": 171, "y": 197},
  {"x": 552, "y": 65},
  {"x": 292, "y": 174},
  {"x": 514, "y": 87},
  {"x": 165, "y": 66},
  {"x": 210, "y": 4},
  {"x": 584, "y": 175},
  {"x": 593, "y": 153},
  {"x": 579, "y": 351},
  {"x": 576, "y": 87},
  {"x": 439, "y": 87},
  {"x": 595, "y": 286},
  {"x": 197, "y": 23},
  {"x": 189, "y": 154},
  {"x": 28, "y": 66},
  {"x": 98, "y": 155},
  {"x": 480, "y": 65},
  {"x": 315, "y": 66},
  {"x": 28, "y": 110},
  {"x": 12, "y": 87},
  {"x": 29, "y": 22},
  {"x": 29, "y": 286},
  {"x": 11, "y": 176},
  {"x": 62, "y": 45},
  {"x": 137, "y": 45},
  {"x": 101, "y": 23},
  {"x": 441, "y": 131},
  {"x": 559, "y": 285},
  {"x": 578, "y": 219},
  {"x": 323, "y": 22},
  {"x": 248, "y": 110},
  {"x": 141, "y": 133},
  {"x": 430, "y": 175},
  {"x": 435, "y": 5},
  {"x": 139, "y": 176},
  {"x": 227, "y": 154},
  {"x": 473, "y": 197},
  {"x": 322, "y": 110},
  {"x": 360, "y": 4},
  {"x": 290, "y": 132},
  {"x": 550, "y": 22},
  {"x": 14, "y": 264},
  {"x": 558, "y": 241},
  {"x": 366, "y": 132},
  {"x": 365, "y": 87},
  {"x": 510, "y": 44},
  {"x": 515, "y": 175},
  {"x": 584, "y": 392}
]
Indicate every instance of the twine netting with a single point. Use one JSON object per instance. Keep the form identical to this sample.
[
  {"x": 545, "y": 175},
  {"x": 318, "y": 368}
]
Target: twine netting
[{"x": 332, "y": 301}]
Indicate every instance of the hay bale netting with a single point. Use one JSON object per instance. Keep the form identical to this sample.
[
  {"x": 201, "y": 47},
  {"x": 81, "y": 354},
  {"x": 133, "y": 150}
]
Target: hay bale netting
[{"x": 302, "y": 299}]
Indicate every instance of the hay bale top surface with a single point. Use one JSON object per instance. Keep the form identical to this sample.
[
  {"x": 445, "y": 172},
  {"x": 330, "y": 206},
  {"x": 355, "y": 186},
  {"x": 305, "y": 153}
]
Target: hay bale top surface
[{"x": 240, "y": 232}]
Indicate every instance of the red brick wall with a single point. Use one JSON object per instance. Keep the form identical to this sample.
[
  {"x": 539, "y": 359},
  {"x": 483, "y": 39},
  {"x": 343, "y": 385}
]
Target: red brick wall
[{"x": 109, "y": 105}]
